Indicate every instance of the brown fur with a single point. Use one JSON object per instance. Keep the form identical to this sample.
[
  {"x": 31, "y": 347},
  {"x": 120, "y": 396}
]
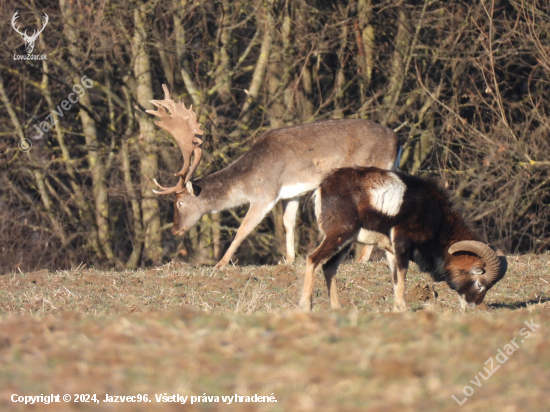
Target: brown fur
[{"x": 422, "y": 230}]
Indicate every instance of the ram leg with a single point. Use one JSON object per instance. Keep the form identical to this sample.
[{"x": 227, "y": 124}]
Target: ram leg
[
  {"x": 398, "y": 269},
  {"x": 331, "y": 245},
  {"x": 329, "y": 269}
]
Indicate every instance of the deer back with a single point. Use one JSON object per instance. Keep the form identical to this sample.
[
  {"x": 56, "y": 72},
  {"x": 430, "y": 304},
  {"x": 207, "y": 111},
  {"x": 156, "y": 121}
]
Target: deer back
[{"x": 295, "y": 159}]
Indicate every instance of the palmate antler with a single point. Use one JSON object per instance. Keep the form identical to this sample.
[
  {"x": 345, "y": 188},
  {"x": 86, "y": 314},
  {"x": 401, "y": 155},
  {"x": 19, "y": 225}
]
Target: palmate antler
[{"x": 182, "y": 124}]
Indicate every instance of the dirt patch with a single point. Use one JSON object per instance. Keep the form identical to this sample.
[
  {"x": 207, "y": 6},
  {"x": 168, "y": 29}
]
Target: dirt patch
[
  {"x": 421, "y": 293},
  {"x": 483, "y": 307},
  {"x": 395, "y": 368},
  {"x": 284, "y": 276}
]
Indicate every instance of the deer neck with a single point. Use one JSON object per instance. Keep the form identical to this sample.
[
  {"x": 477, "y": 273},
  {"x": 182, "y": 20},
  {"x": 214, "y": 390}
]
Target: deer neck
[{"x": 220, "y": 191}]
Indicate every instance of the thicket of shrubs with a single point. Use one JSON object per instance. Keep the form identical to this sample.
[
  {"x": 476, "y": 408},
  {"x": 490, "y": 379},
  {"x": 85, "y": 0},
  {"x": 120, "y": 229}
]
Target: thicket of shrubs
[{"x": 464, "y": 84}]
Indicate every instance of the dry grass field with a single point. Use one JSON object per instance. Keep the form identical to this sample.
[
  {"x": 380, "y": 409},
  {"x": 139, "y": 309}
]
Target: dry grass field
[{"x": 190, "y": 331}]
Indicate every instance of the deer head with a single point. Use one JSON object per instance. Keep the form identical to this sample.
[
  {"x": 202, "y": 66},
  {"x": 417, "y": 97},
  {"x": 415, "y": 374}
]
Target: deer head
[
  {"x": 182, "y": 124},
  {"x": 29, "y": 40}
]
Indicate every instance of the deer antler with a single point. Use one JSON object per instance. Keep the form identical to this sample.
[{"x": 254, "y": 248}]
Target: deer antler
[{"x": 182, "y": 124}]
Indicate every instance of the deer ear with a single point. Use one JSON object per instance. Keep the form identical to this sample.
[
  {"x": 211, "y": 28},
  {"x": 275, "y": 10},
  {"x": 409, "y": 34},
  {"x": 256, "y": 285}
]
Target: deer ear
[{"x": 193, "y": 189}]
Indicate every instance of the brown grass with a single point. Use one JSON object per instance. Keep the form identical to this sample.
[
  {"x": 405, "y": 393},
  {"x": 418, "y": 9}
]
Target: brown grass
[{"x": 183, "y": 330}]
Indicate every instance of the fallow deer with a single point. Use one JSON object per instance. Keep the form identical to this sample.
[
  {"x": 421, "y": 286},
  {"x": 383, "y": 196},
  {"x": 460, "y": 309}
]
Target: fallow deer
[{"x": 283, "y": 164}]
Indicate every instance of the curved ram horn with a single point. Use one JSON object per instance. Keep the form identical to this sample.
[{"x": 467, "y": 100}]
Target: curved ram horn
[{"x": 495, "y": 262}]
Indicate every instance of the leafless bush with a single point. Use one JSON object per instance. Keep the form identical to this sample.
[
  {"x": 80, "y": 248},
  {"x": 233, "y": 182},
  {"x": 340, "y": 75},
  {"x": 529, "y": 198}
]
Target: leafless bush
[{"x": 466, "y": 87}]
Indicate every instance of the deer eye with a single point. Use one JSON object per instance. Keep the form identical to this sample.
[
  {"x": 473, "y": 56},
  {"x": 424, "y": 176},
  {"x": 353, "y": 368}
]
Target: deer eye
[
  {"x": 479, "y": 286},
  {"x": 180, "y": 204}
]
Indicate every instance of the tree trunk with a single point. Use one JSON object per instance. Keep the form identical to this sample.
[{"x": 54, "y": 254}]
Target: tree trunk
[
  {"x": 148, "y": 150},
  {"x": 133, "y": 260},
  {"x": 95, "y": 165}
]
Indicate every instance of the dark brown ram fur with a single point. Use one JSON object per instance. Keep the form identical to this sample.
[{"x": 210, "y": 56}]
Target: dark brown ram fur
[{"x": 413, "y": 220}]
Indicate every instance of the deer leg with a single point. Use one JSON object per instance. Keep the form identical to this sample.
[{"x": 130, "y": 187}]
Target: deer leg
[
  {"x": 365, "y": 254},
  {"x": 329, "y": 269},
  {"x": 330, "y": 246},
  {"x": 289, "y": 220},
  {"x": 253, "y": 217}
]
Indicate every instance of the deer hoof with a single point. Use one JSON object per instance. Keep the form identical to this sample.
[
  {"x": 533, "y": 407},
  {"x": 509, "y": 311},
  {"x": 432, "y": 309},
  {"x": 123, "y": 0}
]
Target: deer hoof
[
  {"x": 220, "y": 265},
  {"x": 400, "y": 307},
  {"x": 305, "y": 306}
]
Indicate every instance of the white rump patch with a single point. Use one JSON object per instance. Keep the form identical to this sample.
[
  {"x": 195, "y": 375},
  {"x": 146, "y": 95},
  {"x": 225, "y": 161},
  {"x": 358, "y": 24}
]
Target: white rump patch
[
  {"x": 290, "y": 191},
  {"x": 388, "y": 197}
]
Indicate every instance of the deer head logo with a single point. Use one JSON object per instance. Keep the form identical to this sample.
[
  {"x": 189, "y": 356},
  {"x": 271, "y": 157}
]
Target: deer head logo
[{"x": 29, "y": 40}]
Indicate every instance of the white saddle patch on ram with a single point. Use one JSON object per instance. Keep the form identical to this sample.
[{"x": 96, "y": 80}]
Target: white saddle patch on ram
[{"x": 388, "y": 197}]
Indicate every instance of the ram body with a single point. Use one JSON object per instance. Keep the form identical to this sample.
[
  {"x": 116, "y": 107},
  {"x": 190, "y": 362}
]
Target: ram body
[{"x": 413, "y": 220}]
